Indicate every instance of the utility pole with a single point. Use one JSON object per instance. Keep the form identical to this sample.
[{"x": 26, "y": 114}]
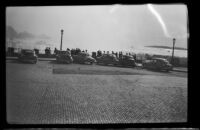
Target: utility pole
[
  {"x": 172, "y": 60},
  {"x": 61, "y": 39}
]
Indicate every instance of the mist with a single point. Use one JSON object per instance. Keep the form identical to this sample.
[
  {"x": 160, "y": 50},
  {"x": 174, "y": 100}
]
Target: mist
[{"x": 105, "y": 27}]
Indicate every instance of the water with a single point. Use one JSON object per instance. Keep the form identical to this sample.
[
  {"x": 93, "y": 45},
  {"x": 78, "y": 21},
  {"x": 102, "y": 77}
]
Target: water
[{"x": 41, "y": 45}]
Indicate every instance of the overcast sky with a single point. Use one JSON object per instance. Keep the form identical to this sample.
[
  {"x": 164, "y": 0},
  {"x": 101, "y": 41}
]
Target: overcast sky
[{"x": 104, "y": 26}]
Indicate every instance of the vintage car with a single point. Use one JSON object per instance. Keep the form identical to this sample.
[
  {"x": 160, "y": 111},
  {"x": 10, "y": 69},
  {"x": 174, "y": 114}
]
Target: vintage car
[
  {"x": 83, "y": 58},
  {"x": 158, "y": 64},
  {"x": 126, "y": 60},
  {"x": 64, "y": 57},
  {"x": 27, "y": 55},
  {"x": 107, "y": 59}
]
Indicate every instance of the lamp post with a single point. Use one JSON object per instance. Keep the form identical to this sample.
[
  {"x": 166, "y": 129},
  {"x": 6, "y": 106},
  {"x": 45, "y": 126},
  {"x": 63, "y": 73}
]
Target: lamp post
[
  {"x": 61, "y": 39},
  {"x": 172, "y": 60}
]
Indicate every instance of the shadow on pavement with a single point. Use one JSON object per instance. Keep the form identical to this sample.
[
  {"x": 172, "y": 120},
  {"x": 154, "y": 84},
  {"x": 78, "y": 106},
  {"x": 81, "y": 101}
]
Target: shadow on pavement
[
  {"x": 17, "y": 61},
  {"x": 119, "y": 66},
  {"x": 161, "y": 71}
]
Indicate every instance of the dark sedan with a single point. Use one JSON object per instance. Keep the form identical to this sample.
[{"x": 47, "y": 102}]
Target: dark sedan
[
  {"x": 64, "y": 57},
  {"x": 107, "y": 59},
  {"x": 27, "y": 55},
  {"x": 157, "y": 64},
  {"x": 83, "y": 58},
  {"x": 127, "y": 61}
]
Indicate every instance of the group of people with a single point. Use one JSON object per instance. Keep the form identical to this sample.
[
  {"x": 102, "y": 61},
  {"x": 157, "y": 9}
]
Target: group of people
[
  {"x": 117, "y": 54},
  {"x": 75, "y": 51},
  {"x": 72, "y": 51}
]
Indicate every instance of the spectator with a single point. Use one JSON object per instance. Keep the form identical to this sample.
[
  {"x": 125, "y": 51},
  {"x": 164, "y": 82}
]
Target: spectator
[
  {"x": 134, "y": 57},
  {"x": 72, "y": 51},
  {"x": 78, "y": 51},
  {"x": 55, "y": 50},
  {"x": 94, "y": 54},
  {"x": 36, "y": 51},
  {"x": 68, "y": 49},
  {"x": 98, "y": 53},
  {"x": 120, "y": 55},
  {"x": 116, "y": 54},
  {"x": 47, "y": 51}
]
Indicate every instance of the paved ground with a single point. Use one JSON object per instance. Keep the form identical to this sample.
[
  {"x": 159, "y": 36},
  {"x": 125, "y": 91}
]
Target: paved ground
[
  {"x": 178, "y": 69},
  {"x": 47, "y": 92}
]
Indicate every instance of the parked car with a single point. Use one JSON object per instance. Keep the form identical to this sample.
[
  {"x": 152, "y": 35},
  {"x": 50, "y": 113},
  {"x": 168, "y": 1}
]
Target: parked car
[
  {"x": 107, "y": 59},
  {"x": 83, "y": 58},
  {"x": 27, "y": 55},
  {"x": 48, "y": 51},
  {"x": 63, "y": 57},
  {"x": 126, "y": 60},
  {"x": 158, "y": 64}
]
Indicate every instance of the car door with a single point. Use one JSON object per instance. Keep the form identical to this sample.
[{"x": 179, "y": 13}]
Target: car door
[
  {"x": 153, "y": 64},
  {"x": 107, "y": 60},
  {"x": 159, "y": 64}
]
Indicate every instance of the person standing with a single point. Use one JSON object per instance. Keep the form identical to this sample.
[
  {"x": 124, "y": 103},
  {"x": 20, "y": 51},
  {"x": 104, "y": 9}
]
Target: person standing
[
  {"x": 116, "y": 54},
  {"x": 55, "y": 50}
]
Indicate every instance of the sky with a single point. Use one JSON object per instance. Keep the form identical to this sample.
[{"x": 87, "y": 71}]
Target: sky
[{"x": 110, "y": 27}]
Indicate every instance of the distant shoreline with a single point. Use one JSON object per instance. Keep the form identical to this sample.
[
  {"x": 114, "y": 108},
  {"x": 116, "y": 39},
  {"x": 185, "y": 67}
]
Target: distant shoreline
[{"x": 167, "y": 47}]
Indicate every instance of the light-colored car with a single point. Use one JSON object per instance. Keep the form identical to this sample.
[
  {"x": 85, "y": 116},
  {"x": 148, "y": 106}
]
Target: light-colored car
[
  {"x": 83, "y": 58},
  {"x": 158, "y": 64},
  {"x": 27, "y": 55}
]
